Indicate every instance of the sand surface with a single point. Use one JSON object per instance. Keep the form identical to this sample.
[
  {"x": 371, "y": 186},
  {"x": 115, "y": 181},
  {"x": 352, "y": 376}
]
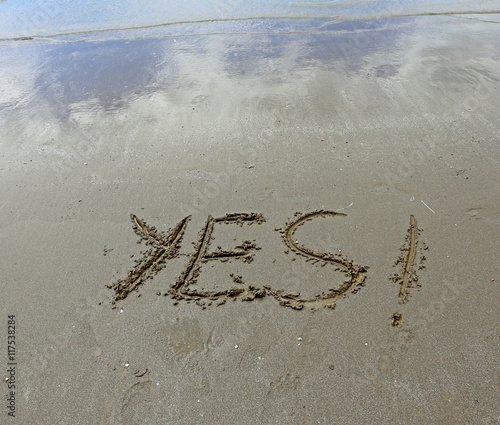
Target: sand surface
[{"x": 359, "y": 314}]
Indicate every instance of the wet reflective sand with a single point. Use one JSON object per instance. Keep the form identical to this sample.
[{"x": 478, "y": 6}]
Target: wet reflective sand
[{"x": 379, "y": 120}]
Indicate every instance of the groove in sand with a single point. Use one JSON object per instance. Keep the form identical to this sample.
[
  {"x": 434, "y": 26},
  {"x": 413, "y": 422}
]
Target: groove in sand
[{"x": 410, "y": 258}]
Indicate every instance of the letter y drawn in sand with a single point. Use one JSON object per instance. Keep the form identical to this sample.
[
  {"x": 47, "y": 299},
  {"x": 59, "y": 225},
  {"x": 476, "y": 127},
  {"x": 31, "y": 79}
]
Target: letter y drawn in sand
[{"x": 163, "y": 247}]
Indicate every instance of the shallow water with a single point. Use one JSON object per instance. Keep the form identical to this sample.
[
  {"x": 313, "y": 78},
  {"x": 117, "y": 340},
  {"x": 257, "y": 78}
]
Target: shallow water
[{"x": 44, "y": 21}]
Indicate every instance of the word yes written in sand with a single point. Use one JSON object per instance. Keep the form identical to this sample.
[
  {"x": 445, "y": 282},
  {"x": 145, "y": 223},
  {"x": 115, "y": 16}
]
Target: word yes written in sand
[{"x": 165, "y": 246}]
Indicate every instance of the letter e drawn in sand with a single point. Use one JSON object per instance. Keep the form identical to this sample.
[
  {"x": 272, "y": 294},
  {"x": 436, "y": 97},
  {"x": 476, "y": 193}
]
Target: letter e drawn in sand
[
  {"x": 180, "y": 289},
  {"x": 356, "y": 275},
  {"x": 163, "y": 247}
]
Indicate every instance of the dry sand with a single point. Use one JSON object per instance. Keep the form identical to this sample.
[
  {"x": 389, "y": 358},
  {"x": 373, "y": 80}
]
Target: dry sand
[{"x": 377, "y": 126}]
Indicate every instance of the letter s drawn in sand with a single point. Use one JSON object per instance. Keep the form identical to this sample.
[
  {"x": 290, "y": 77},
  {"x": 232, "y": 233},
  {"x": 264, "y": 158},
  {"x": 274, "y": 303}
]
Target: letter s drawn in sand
[{"x": 356, "y": 275}]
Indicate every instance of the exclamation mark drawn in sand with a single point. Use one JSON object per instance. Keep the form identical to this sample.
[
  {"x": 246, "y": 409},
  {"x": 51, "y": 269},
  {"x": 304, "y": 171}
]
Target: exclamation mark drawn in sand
[
  {"x": 410, "y": 257},
  {"x": 356, "y": 275},
  {"x": 408, "y": 273}
]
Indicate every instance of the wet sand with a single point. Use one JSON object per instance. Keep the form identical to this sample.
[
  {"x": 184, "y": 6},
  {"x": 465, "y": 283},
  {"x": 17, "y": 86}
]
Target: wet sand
[{"x": 389, "y": 133}]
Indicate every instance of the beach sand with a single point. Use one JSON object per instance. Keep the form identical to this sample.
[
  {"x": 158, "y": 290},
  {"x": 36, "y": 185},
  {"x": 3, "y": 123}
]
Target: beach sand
[{"x": 377, "y": 124}]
